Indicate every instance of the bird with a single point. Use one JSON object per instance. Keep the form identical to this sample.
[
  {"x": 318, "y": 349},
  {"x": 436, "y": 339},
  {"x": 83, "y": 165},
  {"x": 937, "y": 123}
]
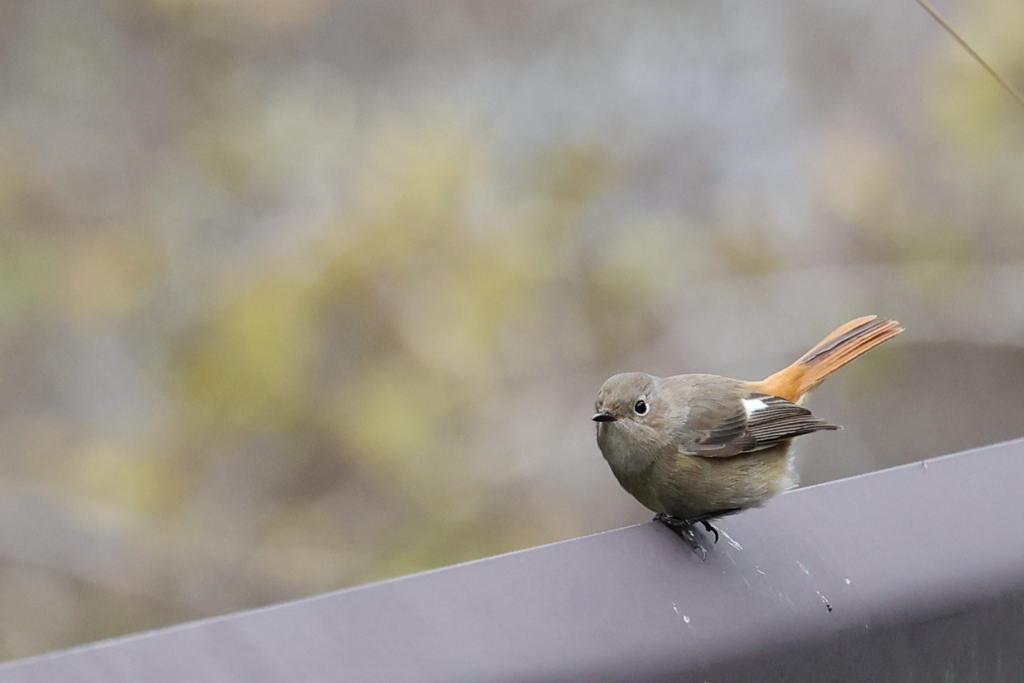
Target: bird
[{"x": 696, "y": 447}]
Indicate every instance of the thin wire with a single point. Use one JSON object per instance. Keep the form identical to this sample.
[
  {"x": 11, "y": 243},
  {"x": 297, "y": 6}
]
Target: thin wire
[{"x": 949, "y": 29}]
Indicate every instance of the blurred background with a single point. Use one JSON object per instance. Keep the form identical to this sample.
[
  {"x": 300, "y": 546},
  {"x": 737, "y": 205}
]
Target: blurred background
[{"x": 300, "y": 294}]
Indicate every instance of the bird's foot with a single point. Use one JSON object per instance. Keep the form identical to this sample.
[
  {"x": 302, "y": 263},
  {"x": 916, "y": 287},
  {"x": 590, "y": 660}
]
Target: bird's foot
[{"x": 685, "y": 530}]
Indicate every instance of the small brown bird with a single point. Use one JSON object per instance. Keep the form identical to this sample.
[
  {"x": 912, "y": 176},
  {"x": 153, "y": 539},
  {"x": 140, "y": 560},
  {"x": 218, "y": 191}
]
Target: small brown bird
[{"x": 696, "y": 447}]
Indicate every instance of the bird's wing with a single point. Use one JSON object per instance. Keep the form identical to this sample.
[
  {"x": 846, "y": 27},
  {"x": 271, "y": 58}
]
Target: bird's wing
[{"x": 750, "y": 423}]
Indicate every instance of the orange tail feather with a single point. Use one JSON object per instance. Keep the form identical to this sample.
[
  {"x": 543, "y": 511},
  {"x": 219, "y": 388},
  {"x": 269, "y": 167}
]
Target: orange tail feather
[{"x": 840, "y": 347}]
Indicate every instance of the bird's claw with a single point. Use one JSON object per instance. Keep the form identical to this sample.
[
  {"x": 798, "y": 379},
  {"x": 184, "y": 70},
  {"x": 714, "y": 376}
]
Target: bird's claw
[{"x": 708, "y": 526}]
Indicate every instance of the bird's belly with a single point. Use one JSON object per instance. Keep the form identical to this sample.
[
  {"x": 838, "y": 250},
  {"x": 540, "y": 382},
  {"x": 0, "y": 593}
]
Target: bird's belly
[{"x": 689, "y": 486}]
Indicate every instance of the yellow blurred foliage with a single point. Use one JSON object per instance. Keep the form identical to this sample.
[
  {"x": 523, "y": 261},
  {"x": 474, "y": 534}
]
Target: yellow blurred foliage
[
  {"x": 384, "y": 338},
  {"x": 395, "y": 415},
  {"x": 118, "y": 475},
  {"x": 248, "y": 367}
]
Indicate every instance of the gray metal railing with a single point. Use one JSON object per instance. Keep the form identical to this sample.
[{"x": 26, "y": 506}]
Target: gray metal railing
[{"x": 910, "y": 574}]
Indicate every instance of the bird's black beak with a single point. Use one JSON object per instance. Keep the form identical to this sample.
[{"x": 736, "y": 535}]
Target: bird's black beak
[{"x": 603, "y": 416}]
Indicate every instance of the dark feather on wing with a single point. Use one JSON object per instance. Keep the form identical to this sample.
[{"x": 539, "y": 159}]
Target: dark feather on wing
[{"x": 765, "y": 427}]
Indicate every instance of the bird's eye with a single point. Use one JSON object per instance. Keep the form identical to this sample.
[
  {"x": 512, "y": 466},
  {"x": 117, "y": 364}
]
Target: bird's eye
[{"x": 640, "y": 407}]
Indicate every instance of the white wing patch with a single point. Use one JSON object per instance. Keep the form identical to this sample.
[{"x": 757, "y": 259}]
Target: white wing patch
[{"x": 752, "y": 405}]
